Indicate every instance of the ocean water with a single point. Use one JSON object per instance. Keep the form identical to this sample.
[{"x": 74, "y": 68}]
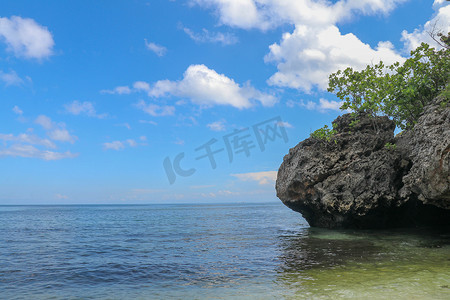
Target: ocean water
[{"x": 220, "y": 251}]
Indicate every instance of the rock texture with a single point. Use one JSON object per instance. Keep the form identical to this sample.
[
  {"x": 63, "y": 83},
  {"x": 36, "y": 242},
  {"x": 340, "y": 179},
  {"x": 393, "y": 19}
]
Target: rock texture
[{"x": 354, "y": 181}]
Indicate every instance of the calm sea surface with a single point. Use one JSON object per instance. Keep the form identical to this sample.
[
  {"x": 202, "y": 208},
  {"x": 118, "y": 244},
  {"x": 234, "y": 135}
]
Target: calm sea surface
[{"x": 240, "y": 251}]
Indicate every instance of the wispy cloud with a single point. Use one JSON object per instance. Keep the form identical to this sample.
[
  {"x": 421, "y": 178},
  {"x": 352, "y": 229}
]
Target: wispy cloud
[
  {"x": 55, "y": 131},
  {"x": 205, "y": 36},
  {"x": 268, "y": 177},
  {"x": 83, "y": 108},
  {"x": 120, "y": 145},
  {"x": 285, "y": 124},
  {"x": 120, "y": 90},
  {"x": 17, "y": 110},
  {"x": 148, "y": 122},
  {"x": 155, "y": 110},
  {"x": 10, "y": 78},
  {"x": 157, "y": 49},
  {"x": 217, "y": 126},
  {"x": 32, "y": 152},
  {"x": 323, "y": 106}
]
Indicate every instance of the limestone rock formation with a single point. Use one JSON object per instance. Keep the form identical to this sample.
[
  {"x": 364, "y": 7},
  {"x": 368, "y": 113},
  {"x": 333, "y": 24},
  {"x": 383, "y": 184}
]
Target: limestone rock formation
[{"x": 355, "y": 181}]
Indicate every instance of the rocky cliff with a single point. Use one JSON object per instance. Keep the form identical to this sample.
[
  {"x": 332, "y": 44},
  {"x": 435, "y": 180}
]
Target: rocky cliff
[{"x": 355, "y": 181}]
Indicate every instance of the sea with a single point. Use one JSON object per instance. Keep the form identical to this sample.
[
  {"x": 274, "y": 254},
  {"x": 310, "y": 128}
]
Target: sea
[{"x": 210, "y": 251}]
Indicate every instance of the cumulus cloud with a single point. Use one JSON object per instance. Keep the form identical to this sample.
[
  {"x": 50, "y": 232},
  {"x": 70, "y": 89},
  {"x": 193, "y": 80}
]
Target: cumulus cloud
[
  {"x": 204, "y": 87},
  {"x": 10, "y": 78},
  {"x": 26, "y": 38},
  {"x": 440, "y": 22},
  {"x": 83, "y": 108},
  {"x": 217, "y": 126},
  {"x": 306, "y": 57},
  {"x": 205, "y": 36},
  {"x": 265, "y": 14},
  {"x": 316, "y": 47},
  {"x": 268, "y": 177},
  {"x": 55, "y": 131},
  {"x": 157, "y": 49}
]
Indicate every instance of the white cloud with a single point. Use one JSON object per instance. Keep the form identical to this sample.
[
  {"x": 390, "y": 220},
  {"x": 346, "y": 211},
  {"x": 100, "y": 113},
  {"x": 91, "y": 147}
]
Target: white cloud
[
  {"x": 118, "y": 90},
  {"x": 26, "y": 38},
  {"x": 262, "y": 178},
  {"x": 32, "y": 152},
  {"x": 316, "y": 47},
  {"x": 329, "y": 105},
  {"x": 27, "y": 138},
  {"x": 10, "y": 78},
  {"x": 157, "y": 49},
  {"x": 265, "y": 14},
  {"x": 62, "y": 135},
  {"x": 115, "y": 145},
  {"x": 211, "y": 37},
  {"x": 306, "y": 57},
  {"x": 28, "y": 144},
  {"x": 440, "y": 22},
  {"x": 141, "y": 85},
  {"x": 56, "y": 131},
  {"x": 148, "y": 122},
  {"x": 83, "y": 108},
  {"x": 44, "y": 121},
  {"x": 131, "y": 143},
  {"x": 126, "y": 125},
  {"x": 162, "y": 88},
  {"x": 17, "y": 110},
  {"x": 237, "y": 13},
  {"x": 61, "y": 197},
  {"x": 155, "y": 110},
  {"x": 323, "y": 106},
  {"x": 217, "y": 126},
  {"x": 206, "y": 87},
  {"x": 285, "y": 124},
  {"x": 120, "y": 145}
]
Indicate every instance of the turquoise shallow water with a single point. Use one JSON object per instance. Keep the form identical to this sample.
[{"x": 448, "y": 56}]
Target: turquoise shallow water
[{"x": 232, "y": 251}]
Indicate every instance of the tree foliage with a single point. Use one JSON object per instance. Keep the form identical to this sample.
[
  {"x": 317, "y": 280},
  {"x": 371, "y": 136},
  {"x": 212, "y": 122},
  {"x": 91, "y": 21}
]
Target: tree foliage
[{"x": 399, "y": 91}]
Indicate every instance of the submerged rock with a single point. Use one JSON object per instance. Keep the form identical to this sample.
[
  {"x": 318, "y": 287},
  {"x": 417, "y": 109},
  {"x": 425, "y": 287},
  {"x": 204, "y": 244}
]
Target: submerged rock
[{"x": 354, "y": 181}]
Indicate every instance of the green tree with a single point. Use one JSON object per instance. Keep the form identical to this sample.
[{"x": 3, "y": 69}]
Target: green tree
[{"x": 399, "y": 91}]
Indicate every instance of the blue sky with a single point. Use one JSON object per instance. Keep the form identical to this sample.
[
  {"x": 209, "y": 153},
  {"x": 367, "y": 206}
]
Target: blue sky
[{"x": 100, "y": 98}]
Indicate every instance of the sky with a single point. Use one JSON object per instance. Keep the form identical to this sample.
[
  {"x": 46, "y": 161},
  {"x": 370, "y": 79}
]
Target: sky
[{"x": 195, "y": 101}]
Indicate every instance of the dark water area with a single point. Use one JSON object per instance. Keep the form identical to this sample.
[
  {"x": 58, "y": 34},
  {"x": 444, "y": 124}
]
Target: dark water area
[{"x": 220, "y": 251}]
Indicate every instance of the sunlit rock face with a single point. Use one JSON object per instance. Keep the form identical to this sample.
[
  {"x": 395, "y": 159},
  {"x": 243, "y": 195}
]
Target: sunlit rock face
[{"x": 355, "y": 181}]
